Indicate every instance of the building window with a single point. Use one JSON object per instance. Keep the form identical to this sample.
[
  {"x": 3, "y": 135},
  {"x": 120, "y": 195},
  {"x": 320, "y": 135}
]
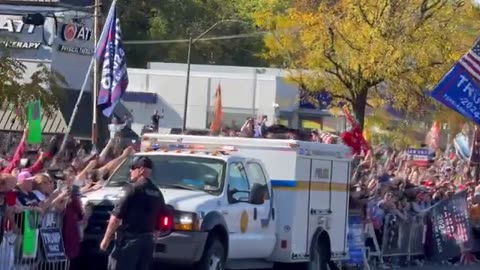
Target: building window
[
  {"x": 310, "y": 124},
  {"x": 283, "y": 122},
  {"x": 326, "y": 123}
]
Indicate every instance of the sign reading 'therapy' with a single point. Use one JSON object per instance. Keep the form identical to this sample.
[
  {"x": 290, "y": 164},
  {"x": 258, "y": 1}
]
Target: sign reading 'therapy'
[{"x": 458, "y": 91}]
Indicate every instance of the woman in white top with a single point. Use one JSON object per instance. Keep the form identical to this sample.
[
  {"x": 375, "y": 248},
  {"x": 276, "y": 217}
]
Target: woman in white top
[{"x": 115, "y": 127}]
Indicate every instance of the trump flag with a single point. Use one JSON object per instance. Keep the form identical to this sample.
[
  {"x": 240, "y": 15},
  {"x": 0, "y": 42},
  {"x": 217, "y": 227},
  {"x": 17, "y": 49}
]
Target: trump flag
[{"x": 114, "y": 78}]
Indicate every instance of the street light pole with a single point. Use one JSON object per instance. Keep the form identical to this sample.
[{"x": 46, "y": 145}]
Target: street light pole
[
  {"x": 187, "y": 85},
  {"x": 189, "y": 54}
]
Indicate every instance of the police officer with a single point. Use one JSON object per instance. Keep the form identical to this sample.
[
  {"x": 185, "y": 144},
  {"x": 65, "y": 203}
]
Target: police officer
[{"x": 134, "y": 220}]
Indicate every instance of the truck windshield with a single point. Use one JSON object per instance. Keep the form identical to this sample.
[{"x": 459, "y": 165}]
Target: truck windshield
[{"x": 180, "y": 172}]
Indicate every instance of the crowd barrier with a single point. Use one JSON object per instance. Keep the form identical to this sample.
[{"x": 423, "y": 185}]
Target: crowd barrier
[
  {"x": 32, "y": 241},
  {"x": 400, "y": 241},
  {"x": 442, "y": 232},
  {"x": 403, "y": 237}
]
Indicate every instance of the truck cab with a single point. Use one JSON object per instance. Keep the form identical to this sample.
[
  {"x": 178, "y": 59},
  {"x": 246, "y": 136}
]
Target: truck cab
[{"x": 227, "y": 211}]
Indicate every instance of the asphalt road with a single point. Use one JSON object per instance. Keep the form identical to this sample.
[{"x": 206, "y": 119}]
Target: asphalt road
[
  {"x": 101, "y": 264},
  {"x": 444, "y": 267},
  {"x": 428, "y": 267}
]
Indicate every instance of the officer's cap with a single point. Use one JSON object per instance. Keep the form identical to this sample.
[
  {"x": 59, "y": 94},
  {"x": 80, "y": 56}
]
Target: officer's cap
[{"x": 142, "y": 162}]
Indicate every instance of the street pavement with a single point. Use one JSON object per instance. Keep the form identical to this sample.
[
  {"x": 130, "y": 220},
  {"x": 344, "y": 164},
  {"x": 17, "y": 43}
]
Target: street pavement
[
  {"x": 443, "y": 267},
  {"x": 100, "y": 263},
  {"x": 425, "y": 267}
]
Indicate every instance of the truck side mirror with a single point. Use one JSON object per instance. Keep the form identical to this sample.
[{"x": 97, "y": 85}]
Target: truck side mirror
[{"x": 258, "y": 194}]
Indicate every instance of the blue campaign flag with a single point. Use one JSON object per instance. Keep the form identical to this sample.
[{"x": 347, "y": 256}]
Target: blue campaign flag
[
  {"x": 460, "y": 92},
  {"x": 110, "y": 53}
]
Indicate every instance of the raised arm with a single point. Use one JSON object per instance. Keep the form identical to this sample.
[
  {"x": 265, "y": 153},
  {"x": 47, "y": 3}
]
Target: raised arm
[
  {"x": 106, "y": 149},
  {"x": 111, "y": 165},
  {"x": 17, "y": 156}
]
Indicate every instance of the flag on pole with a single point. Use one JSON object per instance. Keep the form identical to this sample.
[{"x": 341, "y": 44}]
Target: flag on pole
[
  {"x": 217, "y": 119},
  {"x": 471, "y": 60},
  {"x": 475, "y": 150},
  {"x": 34, "y": 123},
  {"x": 353, "y": 138},
  {"x": 110, "y": 53}
]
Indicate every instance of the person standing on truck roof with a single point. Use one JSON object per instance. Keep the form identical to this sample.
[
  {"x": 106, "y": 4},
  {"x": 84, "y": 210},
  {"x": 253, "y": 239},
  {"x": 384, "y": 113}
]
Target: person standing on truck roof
[{"x": 134, "y": 220}]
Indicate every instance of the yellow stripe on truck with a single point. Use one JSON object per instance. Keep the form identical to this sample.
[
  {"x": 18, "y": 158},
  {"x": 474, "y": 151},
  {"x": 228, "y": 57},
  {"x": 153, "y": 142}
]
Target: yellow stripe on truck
[{"x": 307, "y": 185}]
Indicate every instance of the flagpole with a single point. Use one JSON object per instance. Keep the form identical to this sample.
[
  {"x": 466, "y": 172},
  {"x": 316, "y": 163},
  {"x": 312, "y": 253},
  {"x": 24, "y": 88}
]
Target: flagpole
[
  {"x": 96, "y": 29},
  {"x": 84, "y": 85}
]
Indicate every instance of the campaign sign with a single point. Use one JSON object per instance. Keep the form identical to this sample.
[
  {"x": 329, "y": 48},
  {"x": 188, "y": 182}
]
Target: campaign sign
[
  {"x": 458, "y": 91},
  {"x": 451, "y": 230},
  {"x": 419, "y": 157},
  {"x": 355, "y": 241},
  {"x": 53, "y": 244}
]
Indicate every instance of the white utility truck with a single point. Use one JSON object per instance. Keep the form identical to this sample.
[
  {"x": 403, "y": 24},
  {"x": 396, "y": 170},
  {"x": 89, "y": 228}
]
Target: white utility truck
[{"x": 241, "y": 203}]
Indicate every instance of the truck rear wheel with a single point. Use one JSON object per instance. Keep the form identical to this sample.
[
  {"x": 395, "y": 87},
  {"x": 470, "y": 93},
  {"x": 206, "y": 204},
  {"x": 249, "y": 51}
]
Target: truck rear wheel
[
  {"x": 319, "y": 258},
  {"x": 214, "y": 255}
]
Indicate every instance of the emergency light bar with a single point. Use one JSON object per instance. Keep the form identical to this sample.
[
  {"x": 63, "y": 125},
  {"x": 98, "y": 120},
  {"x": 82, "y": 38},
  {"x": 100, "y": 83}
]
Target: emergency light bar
[
  {"x": 211, "y": 142},
  {"x": 155, "y": 146}
]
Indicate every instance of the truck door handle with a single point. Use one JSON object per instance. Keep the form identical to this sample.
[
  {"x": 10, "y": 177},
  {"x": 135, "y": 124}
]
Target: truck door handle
[{"x": 255, "y": 213}]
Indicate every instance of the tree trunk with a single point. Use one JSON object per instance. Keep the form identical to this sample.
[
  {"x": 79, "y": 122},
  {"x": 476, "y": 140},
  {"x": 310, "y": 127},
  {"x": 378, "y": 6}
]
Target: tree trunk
[{"x": 359, "y": 105}]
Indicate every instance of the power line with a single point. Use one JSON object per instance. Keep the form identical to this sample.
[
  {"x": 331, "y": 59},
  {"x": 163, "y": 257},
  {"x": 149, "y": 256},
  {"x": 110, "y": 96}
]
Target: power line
[{"x": 170, "y": 41}]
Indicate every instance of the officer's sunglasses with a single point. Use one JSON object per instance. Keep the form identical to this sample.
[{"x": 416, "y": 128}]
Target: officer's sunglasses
[{"x": 134, "y": 167}]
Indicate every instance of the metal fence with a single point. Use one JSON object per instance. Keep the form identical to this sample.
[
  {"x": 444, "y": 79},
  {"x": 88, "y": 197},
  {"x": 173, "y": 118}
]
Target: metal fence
[
  {"x": 403, "y": 237},
  {"x": 32, "y": 241}
]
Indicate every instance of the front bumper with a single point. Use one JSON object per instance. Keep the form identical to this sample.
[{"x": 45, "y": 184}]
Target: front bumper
[{"x": 184, "y": 248}]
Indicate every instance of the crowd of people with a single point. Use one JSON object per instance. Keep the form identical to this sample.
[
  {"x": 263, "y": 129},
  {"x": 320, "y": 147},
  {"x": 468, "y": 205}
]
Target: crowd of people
[
  {"x": 389, "y": 182},
  {"x": 49, "y": 184}
]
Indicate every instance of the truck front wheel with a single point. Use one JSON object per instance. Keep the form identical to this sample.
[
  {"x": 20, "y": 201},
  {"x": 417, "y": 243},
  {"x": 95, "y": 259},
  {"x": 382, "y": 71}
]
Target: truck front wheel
[{"x": 214, "y": 255}]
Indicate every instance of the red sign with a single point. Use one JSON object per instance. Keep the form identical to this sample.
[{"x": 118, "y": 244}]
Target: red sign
[
  {"x": 72, "y": 31},
  {"x": 69, "y": 31}
]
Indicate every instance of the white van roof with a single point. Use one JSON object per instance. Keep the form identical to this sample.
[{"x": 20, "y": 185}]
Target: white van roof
[{"x": 341, "y": 151}]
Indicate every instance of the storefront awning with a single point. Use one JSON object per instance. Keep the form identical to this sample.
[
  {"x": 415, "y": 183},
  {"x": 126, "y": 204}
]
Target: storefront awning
[{"x": 51, "y": 125}]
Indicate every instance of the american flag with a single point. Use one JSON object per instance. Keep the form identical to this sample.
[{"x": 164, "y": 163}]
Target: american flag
[
  {"x": 327, "y": 138},
  {"x": 471, "y": 60},
  {"x": 110, "y": 52}
]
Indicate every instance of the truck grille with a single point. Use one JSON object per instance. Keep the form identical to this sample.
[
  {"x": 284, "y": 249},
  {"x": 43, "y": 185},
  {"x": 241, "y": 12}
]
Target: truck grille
[{"x": 99, "y": 214}]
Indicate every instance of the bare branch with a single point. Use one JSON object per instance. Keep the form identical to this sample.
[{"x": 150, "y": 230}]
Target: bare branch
[
  {"x": 364, "y": 14},
  {"x": 349, "y": 43}
]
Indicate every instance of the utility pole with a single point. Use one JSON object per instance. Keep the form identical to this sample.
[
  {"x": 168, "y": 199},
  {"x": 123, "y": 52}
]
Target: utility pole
[
  {"x": 96, "y": 76},
  {"x": 187, "y": 83},
  {"x": 192, "y": 41}
]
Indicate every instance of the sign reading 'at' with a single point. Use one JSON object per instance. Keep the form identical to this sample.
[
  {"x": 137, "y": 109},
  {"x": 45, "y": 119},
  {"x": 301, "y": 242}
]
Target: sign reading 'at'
[
  {"x": 14, "y": 24},
  {"x": 71, "y": 32}
]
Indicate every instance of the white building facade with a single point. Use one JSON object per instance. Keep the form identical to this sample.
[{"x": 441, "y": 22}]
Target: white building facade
[
  {"x": 64, "y": 43},
  {"x": 246, "y": 92}
]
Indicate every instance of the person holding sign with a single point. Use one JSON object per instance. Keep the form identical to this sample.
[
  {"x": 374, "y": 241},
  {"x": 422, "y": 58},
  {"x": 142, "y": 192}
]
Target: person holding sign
[{"x": 134, "y": 220}]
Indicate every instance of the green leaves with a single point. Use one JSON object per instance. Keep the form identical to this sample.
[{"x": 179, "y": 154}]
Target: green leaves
[
  {"x": 371, "y": 49},
  {"x": 172, "y": 19},
  {"x": 16, "y": 90}
]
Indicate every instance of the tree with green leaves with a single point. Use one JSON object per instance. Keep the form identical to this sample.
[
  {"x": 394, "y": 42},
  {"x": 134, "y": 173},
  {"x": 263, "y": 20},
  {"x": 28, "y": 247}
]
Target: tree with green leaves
[
  {"x": 172, "y": 19},
  {"x": 17, "y": 90}
]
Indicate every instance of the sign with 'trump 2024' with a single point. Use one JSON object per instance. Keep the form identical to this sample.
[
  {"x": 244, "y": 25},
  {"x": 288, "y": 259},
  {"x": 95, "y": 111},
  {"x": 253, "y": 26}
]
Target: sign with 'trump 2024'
[{"x": 458, "y": 91}]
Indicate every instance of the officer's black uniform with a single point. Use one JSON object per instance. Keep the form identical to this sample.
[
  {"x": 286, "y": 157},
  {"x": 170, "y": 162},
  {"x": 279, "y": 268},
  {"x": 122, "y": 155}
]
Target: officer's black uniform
[{"x": 139, "y": 210}]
